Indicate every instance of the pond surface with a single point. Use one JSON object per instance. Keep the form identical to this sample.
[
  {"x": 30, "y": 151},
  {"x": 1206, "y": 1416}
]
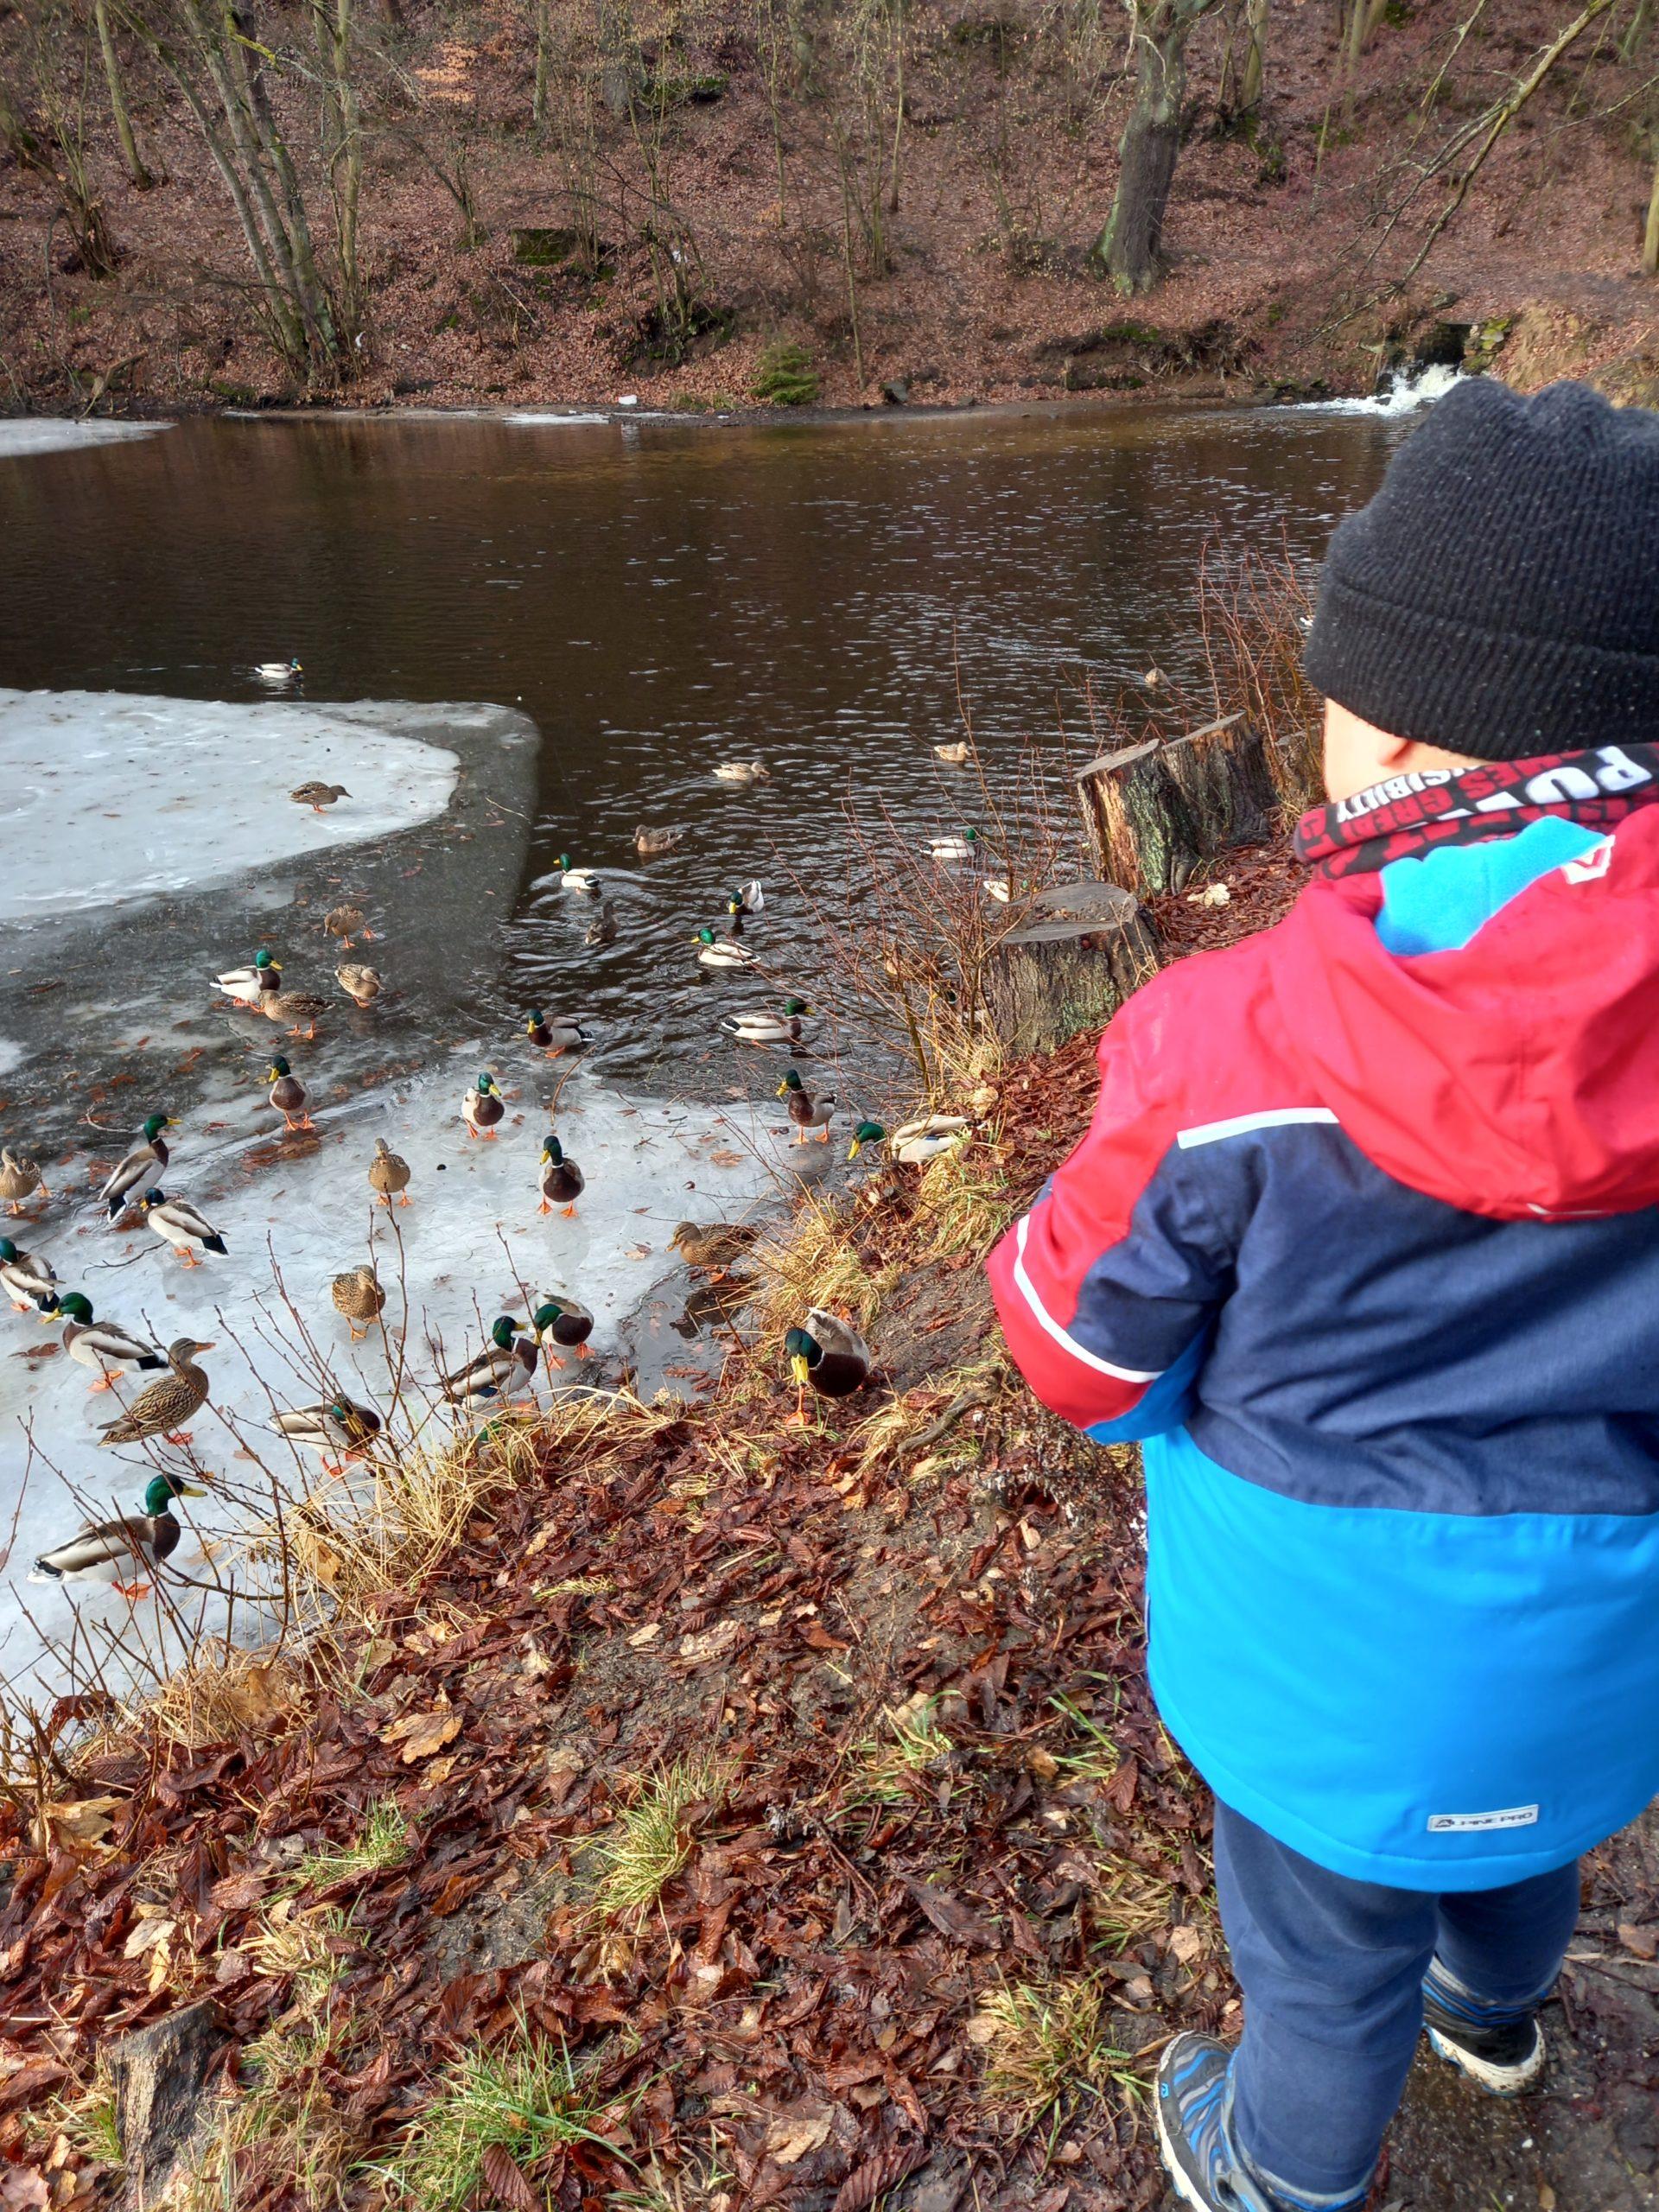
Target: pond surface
[{"x": 657, "y": 598}]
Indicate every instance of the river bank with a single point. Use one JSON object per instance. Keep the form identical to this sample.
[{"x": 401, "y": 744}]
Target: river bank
[{"x": 734, "y": 1813}]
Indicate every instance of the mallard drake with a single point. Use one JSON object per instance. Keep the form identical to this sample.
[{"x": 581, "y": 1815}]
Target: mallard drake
[
  {"x": 28, "y": 1280},
  {"x": 602, "y": 929},
  {"x": 829, "y": 1354},
  {"x": 747, "y": 899},
  {"x": 165, "y": 1407},
  {"x": 721, "y": 952},
  {"x": 760, "y": 1029},
  {"x": 347, "y": 922},
  {"x": 807, "y": 1110},
  {"x": 317, "y": 796},
  {"x": 388, "y": 1175},
  {"x": 482, "y": 1107},
  {"x": 954, "y": 755},
  {"x": 742, "y": 772},
  {"x": 954, "y": 848},
  {"x": 177, "y": 1220},
  {"x": 109, "y": 1552},
  {"x": 915, "y": 1143},
  {"x": 648, "y": 840},
  {"x": 288, "y": 1093},
  {"x": 358, "y": 1296},
  {"x": 100, "y": 1345},
  {"x": 292, "y": 1006},
  {"x": 247, "y": 985},
  {"x": 714, "y": 1247},
  {"x": 141, "y": 1164},
  {"x": 360, "y": 983},
  {"x": 276, "y": 671},
  {"x": 506, "y": 1363},
  {"x": 555, "y": 1036},
  {"x": 568, "y": 1321},
  {"x": 563, "y": 1181},
  {"x": 339, "y": 1429},
  {"x": 576, "y": 879},
  {"x": 19, "y": 1178}
]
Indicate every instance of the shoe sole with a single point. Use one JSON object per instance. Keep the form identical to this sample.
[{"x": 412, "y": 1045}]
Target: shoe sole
[
  {"x": 1183, "y": 2187},
  {"x": 1497, "y": 2080}
]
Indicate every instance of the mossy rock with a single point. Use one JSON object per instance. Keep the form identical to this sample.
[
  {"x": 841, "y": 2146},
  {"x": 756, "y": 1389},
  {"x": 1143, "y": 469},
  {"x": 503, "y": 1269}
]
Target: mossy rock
[
  {"x": 1125, "y": 332},
  {"x": 688, "y": 91},
  {"x": 539, "y": 247},
  {"x": 785, "y": 376}
]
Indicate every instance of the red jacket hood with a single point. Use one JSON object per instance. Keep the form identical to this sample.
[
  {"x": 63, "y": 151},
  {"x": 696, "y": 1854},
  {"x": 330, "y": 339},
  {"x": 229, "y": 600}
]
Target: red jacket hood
[{"x": 1517, "y": 1076}]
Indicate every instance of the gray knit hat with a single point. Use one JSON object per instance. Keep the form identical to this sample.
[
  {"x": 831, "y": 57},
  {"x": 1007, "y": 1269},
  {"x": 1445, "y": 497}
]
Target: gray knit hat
[{"x": 1500, "y": 595}]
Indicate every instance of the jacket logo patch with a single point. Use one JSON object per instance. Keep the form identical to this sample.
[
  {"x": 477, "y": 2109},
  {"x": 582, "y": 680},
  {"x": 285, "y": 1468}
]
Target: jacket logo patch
[{"x": 1513, "y": 1816}]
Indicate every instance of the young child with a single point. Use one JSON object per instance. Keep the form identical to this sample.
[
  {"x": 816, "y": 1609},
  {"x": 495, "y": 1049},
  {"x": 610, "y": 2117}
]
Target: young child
[{"x": 1361, "y": 1242}]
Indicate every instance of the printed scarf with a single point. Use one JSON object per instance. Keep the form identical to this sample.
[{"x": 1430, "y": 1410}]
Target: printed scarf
[{"x": 1457, "y": 806}]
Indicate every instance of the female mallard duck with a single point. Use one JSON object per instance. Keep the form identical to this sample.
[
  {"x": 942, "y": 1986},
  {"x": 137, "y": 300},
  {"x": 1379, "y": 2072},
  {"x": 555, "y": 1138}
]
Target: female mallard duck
[
  {"x": 602, "y": 929},
  {"x": 742, "y": 772},
  {"x": 288, "y": 1093},
  {"x": 760, "y": 1029},
  {"x": 114, "y": 1553},
  {"x": 568, "y": 1321},
  {"x": 482, "y": 1107},
  {"x": 141, "y": 1165},
  {"x": 806, "y": 1110},
  {"x": 506, "y": 1363},
  {"x": 19, "y": 1178},
  {"x": 358, "y": 1296},
  {"x": 915, "y": 1143},
  {"x": 292, "y": 1006},
  {"x": 714, "y": 1247},
  {"x": 954, "y": 848},
  {"x": 339, "y": 1430},
  {"x": 563, "y": 1181},
  {"x": 100, "y": 1345},
  {"x": 576, "y": 879},
  {"x": 648, "y": 840},
  {"x": 555, "y": 1036},
  {"x": 388, "y": 1175},
  {"x": 28, "y": 1279},
  {"x": 955, "y": 755},
  {"x": 347, "y": 922},
  {"x": 177, "y": 1220},
  {"x": 276, "y": 671},
  {"x": 360, "y": 985},
  {"x": 827, "y": 1353},
  {"x": 247, "y": 985},
  {"x": 317, "y": 796},
  {"x": 165, "y": 1407},
  {"x": 721, "y": 952}
]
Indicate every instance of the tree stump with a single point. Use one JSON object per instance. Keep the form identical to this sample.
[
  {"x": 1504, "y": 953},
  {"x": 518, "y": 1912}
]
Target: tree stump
[
  {"x": 1071, "y": 967},
  {"x": 163, "y": 2100},
  {"x": 1157, "y": 811}
]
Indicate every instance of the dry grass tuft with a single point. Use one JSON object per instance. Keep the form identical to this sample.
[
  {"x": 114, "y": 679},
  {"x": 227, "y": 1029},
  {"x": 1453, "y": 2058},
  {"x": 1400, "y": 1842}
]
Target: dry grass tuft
[
  {"x": 305, "y": 1946},
  {"x": 649, "y": 1841},
  {"x": 385, "y": 1841},
  {"x": 890, "y": 1767},
  {"x": 1044, "y": 2041},
  {"x": 280, "y": 2129}
]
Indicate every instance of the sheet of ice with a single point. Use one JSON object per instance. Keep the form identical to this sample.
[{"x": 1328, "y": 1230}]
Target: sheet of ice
[
  {"x": 473, "y": 1246},
  {"x": 535, "y": 417},
  {"x": 25, "y": 435},
  {"x": 154, "y": 796}
]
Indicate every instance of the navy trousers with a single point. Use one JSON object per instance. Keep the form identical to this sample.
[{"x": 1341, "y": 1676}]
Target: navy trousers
[{"x": 1332, "y": 1971}]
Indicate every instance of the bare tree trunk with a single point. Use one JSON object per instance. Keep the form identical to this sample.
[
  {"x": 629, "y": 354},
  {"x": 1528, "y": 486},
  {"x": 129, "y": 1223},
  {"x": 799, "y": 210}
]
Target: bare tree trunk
[
  {"x": 543, "y": 40},
  {"x": 1255, "y": 55},
  {"x": 1130, "y": 248},
  {"x": 1651, "y": 236},
  {"x": 136, "y": 169}
]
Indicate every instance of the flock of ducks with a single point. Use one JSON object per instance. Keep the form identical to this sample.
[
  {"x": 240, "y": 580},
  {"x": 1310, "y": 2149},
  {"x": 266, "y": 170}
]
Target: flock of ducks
[{"x": 824, "y": 1351}]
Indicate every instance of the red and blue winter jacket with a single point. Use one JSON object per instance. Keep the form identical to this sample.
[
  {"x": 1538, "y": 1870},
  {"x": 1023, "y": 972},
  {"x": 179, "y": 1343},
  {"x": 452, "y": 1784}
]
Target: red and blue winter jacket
[{"x": 1361, "y": 1241}]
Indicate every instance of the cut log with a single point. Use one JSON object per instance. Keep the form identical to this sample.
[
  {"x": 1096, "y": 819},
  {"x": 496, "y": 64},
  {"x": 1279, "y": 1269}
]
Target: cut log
[
  {"x": 1071, "y": 967},
  {"x": 1156, "y": 812},
  {"x": 163, "y": 2100}
]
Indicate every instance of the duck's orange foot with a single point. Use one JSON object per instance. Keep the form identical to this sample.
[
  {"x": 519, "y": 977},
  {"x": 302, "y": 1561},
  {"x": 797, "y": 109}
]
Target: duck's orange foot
[
  {"x": 132, "y": 1592},
  {"x": 406, "y": 1199},
  {"x": 544, "y": 1207},
  {"x": 583, "y": 1353},
  {"x": 189, "y": 1258},
  {"x": 107, "y": 1383},
  {"x": 570, "y": 1212},
  {"x": 553, "y": 1360},
  {"x": 177, "y": 1436}
]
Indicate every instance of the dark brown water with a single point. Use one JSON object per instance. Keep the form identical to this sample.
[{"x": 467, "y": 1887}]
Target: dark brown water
[{"x": 659, "y": 598}]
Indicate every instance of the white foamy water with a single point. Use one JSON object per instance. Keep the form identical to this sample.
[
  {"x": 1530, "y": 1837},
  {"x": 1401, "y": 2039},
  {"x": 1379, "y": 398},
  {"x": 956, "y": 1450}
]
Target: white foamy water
[
  {"x": 1403, "y": 397},
  {"x": 22, "y": 436}
]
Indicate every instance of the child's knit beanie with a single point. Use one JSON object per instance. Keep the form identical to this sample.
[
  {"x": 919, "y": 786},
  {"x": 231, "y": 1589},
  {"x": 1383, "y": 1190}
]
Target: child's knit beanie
[{"x": 1500, "y": 595}]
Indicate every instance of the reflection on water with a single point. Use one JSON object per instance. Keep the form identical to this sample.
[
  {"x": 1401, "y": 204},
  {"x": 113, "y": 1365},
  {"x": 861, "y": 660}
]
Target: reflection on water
[{"x": 659, "y": 598}]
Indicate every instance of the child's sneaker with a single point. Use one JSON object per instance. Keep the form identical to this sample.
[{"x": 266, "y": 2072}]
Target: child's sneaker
[
  {"x": 1195, "y": 2114},
  {"x": 1500, "y": 2046}
]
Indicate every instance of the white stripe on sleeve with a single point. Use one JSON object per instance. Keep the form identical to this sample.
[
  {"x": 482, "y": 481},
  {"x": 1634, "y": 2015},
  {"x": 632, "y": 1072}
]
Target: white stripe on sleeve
[{"x": 1053, "y": 1328}]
